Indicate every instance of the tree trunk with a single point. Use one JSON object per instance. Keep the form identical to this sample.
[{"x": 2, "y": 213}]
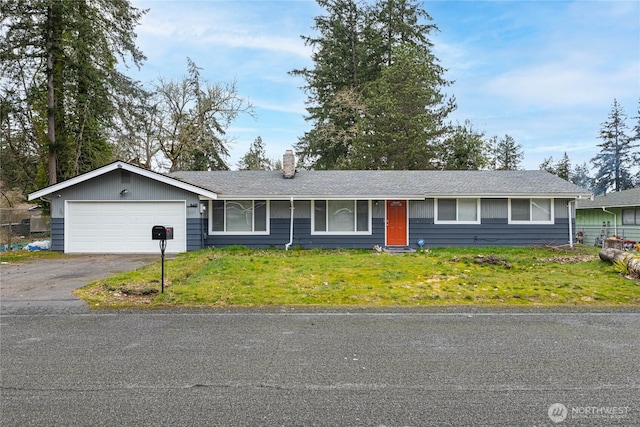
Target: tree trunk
[
  {"x": 51, "y": 103},
  {"x": 613, "y": 255}
]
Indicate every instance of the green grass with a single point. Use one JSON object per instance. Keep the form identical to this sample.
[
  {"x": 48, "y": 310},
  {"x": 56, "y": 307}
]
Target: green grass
[
  {"x": 238, "y": 277},
  {"x": 22, "y": 255}
]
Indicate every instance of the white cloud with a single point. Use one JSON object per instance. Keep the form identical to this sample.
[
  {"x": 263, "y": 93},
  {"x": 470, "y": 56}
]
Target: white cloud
[
  {"x": 209, "y": 23},
  {"x": 290, "y": 45},
  {"x": 286, "y": 107},
  {"x": 562, "y": 84}
]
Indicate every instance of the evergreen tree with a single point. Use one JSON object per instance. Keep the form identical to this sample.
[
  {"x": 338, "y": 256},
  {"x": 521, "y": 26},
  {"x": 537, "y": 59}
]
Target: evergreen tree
[
  {"x": 581, "y": 176},
  {"x": 19, "y": 155},
  {"x": 360, "y": 56},
  {"x": 256, "y": 158},
  {"x": 340, "y": 58},
  {"x": 402, "y": 118},
  {"x": 464, "y": 149},
  {"x": 492, "y": 146},
  {"x": 616, "y": 157},
  {"x": 60, "y": 74},
  {"x": 562, "y": 168},
  {"x": 548, "y": 165},
  {"x": 508, "y": 154}
]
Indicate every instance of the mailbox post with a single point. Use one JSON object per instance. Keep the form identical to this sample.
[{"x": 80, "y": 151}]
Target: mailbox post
[{"x": 162, "y": 233}]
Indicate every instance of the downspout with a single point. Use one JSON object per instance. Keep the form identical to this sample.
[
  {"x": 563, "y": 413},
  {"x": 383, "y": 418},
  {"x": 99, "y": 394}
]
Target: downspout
[
  {"x": 570, "y": 226},
  {"x": 203, "y": 209},
  {"x": 615, "y": 221},
  {"x": 288, "y": 245}
]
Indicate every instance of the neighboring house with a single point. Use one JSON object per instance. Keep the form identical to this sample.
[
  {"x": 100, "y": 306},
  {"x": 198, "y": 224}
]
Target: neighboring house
[
  {"x": 614, "y": 214},
  {"x": 113, "y": 208}
]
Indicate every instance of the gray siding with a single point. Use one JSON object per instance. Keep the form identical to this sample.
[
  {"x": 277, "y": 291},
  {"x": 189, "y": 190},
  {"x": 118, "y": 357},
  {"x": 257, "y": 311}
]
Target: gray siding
[
  {"x": 489, "y": 208},
  {"x": 281, "y": 209},
  {"x": 492, "y": 232},
  {"x": 378, "y": 210},
  {"x": 302, "y": 237},
  {"x": 196, "y": 234},
  {"x": 57, "y": 234},
  {"x": 494, "y": 208},
  {"x": 109, "y": 186},
  {"x": 561, "y": 209},
  {"x": 421, "y": 208}
]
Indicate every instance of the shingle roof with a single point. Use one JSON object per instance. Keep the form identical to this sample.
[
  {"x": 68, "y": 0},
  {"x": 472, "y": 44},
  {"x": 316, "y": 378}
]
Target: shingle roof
[
  {"x": 383, "y": 184},
  {"x": 621, "y": 198}
]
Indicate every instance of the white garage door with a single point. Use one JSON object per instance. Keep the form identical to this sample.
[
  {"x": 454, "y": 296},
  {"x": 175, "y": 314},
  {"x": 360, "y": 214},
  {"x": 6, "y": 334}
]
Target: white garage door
[{"x": 122, "y": 227}]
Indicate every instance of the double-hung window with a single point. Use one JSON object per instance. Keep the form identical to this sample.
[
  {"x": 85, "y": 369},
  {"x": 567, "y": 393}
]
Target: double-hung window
[
  {"x": 341, "y": 216},
  {"x": 630, "y": 216},
  {"x": 535, "y": 211},
  {"x": 239, "y": 216},
  {"x": 460, "y": 211}
]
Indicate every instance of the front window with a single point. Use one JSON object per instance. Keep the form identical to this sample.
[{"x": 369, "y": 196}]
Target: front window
[
  {"x": 531, "y": 210},
  {"x": 238, "y": 216},
  {"x": 341, "y": 216},
  {"x": 457, "y": 210},
  {"x": 631, "y": 217}
]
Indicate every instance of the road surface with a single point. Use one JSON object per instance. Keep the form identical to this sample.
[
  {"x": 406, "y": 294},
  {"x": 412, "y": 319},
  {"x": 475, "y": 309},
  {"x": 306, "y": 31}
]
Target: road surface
[{"x": 281, "y": 367}]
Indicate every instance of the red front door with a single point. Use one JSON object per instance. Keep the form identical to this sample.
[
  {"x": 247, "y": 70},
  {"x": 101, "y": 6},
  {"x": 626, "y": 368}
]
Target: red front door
[{"x": 396, "y": 222}]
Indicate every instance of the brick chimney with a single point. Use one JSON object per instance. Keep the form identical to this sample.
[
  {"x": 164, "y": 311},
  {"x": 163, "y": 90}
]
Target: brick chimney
[{"x": 288, "y": 165}]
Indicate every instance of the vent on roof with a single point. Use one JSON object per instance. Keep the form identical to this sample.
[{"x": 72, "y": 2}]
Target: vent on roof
[{"x": 288, "y": 164}]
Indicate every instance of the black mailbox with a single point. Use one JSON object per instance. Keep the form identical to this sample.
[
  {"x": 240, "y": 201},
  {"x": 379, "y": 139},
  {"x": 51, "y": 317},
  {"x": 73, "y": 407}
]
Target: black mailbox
[{"x": 160, "y": 232}]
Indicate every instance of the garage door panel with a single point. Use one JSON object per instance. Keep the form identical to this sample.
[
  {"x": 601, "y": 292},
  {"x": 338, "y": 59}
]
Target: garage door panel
[{"x": 122, "y": 227}]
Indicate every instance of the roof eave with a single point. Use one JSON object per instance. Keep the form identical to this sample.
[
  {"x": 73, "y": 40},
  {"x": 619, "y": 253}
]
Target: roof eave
[
  {"x": 615, "y": 205},
  {"x": 318, "y": 197},
  {"x": 398, "y": 196}
]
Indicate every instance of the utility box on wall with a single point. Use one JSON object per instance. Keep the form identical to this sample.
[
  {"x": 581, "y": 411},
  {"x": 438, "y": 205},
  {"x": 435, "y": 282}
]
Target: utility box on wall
[{"x": 160, "y": 232}]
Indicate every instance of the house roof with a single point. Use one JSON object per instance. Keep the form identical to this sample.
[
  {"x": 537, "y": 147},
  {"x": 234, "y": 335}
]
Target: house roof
[
  {"x": 194, "y": 188},
  {"x": 382, "y": 184},
  {"x": 349, "y": 184},
  {"x": 618, "y": 199}
]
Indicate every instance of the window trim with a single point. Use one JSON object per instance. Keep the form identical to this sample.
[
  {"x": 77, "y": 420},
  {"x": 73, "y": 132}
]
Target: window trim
[
  {"x": 456, "y": 221},
  {"x": 355, "y": 219},
  {"x": 552, "y": 215},
  {"x": 253, "y": 222}
]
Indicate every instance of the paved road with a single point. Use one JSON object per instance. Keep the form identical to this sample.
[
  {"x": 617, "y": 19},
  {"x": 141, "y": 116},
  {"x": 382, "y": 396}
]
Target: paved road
[{"x": 246, "y": 368}]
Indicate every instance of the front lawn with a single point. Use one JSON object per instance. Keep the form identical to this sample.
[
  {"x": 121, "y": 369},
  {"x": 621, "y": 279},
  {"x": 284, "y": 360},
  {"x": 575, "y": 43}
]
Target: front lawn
[
  {"x": 238, "y": 277},
  {"x": 23, "y": 255}
]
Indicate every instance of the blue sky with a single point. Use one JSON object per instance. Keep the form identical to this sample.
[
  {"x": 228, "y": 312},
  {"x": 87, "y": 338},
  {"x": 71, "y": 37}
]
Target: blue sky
[{"x": 544, "y": 72}]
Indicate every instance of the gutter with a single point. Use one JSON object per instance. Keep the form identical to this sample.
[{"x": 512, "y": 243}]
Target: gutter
[
  {"x": 288, "y": 245},
  {"x": 615, "y": 221}
]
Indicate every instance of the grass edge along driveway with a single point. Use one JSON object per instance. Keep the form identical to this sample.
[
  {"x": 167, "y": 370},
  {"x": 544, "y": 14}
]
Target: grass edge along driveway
[{"x": 240, "y": 277}]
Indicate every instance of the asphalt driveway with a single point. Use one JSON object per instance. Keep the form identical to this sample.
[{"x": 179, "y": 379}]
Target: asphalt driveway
[{"x": 50, "y": 281}]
